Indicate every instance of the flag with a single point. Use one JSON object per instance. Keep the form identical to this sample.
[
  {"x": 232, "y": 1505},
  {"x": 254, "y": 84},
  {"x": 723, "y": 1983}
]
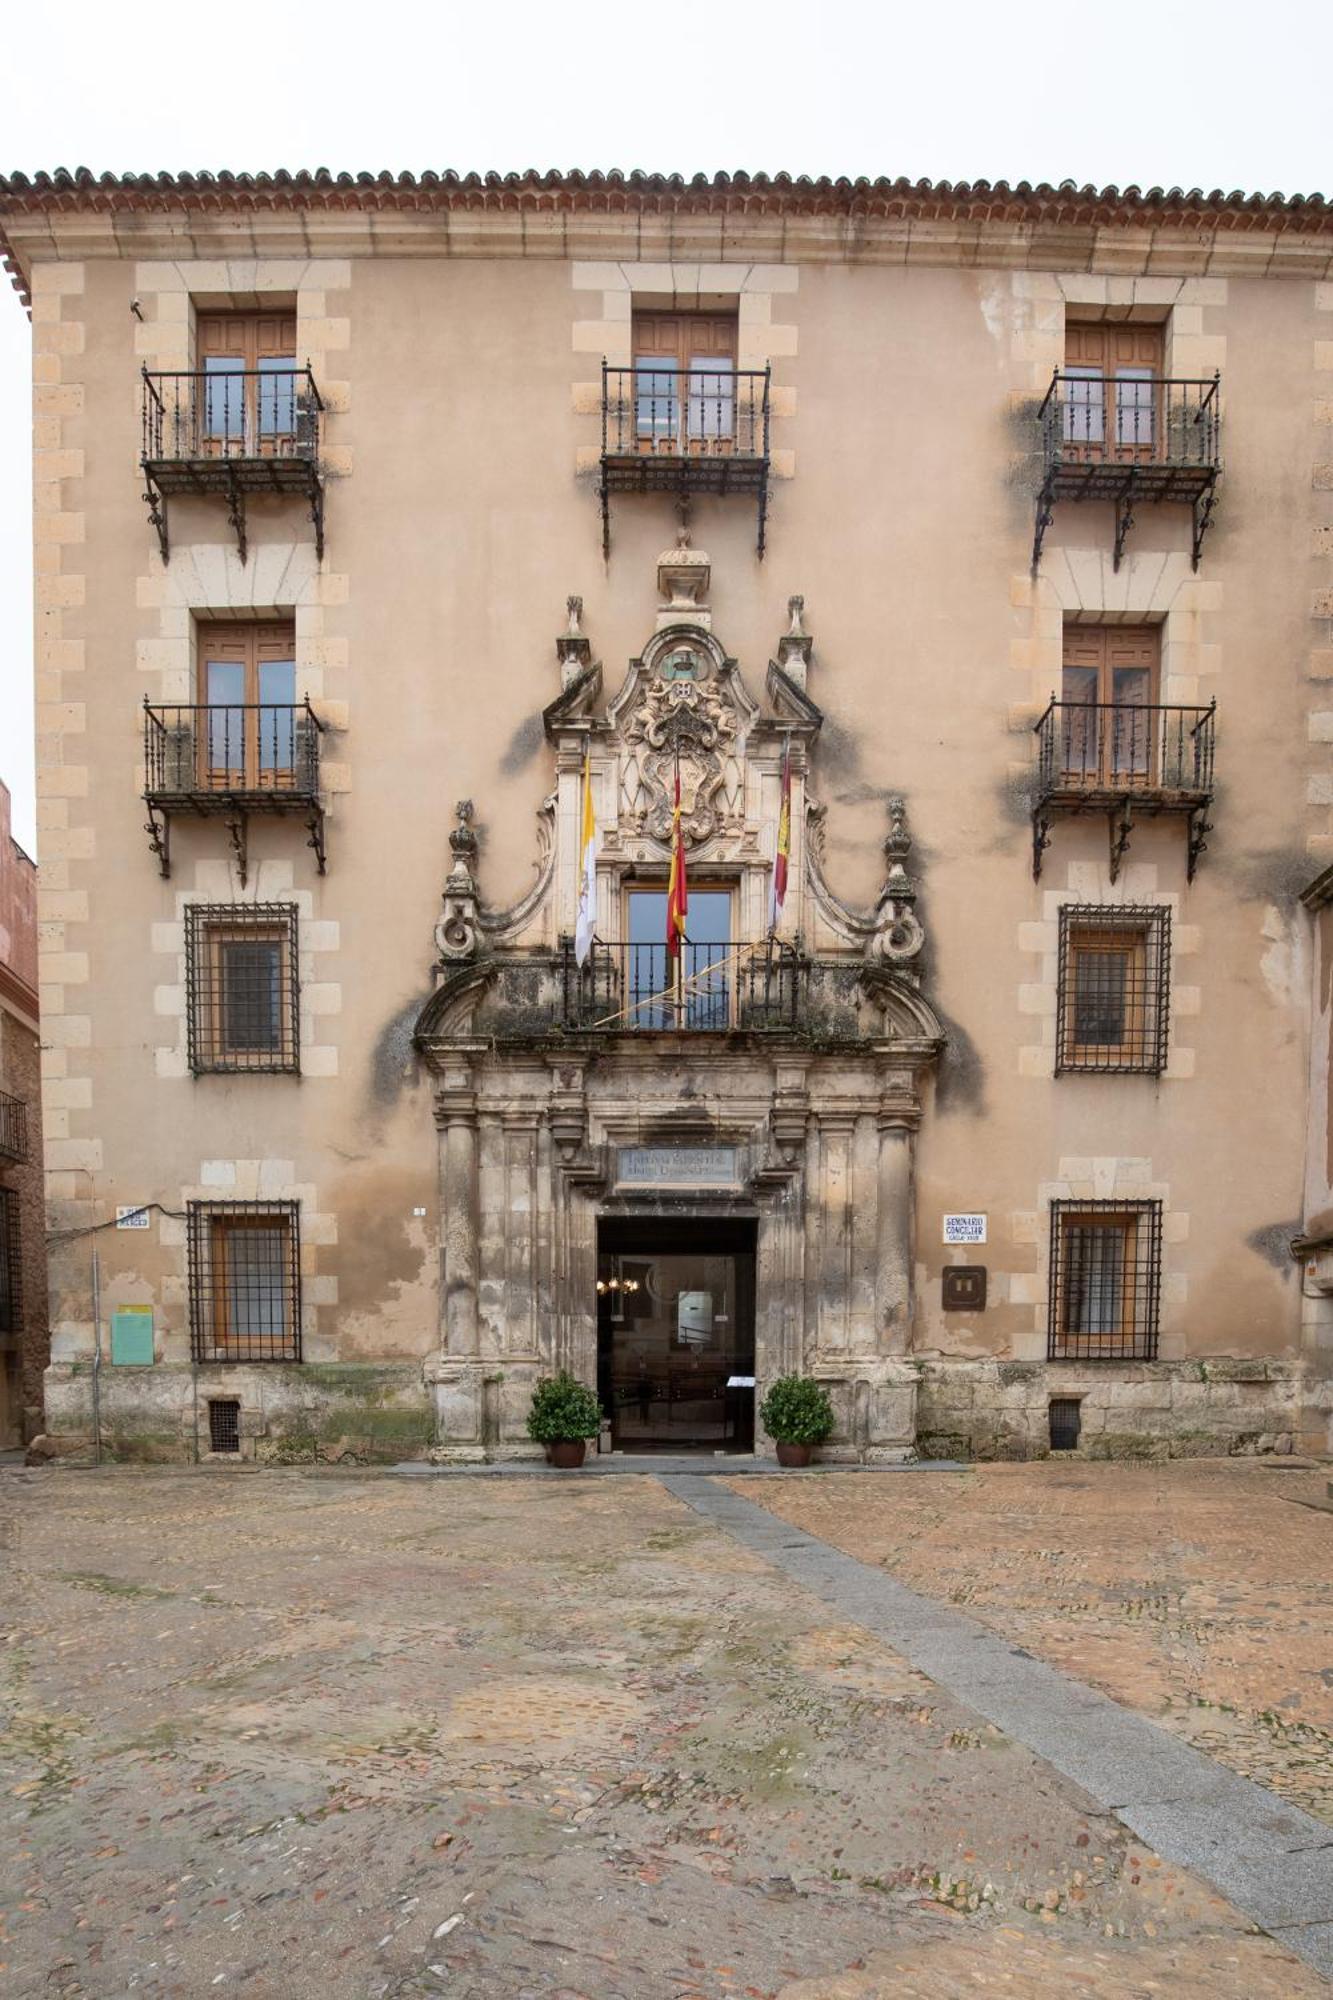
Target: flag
[
  {"x": 678, "y": 895},
  {"x": 586, "y": 922},
  {"x": 782, "y": 853}
]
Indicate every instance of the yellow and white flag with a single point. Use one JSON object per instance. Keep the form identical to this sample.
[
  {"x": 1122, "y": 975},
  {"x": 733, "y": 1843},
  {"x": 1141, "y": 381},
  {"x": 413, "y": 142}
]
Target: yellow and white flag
[{"x": 586, "y": 922}]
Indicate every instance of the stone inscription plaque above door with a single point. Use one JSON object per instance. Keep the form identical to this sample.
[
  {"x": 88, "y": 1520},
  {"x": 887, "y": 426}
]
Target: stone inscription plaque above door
[{"x": 678, "y": 1166}]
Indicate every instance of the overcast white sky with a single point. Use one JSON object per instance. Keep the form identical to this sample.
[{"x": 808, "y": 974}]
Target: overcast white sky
[{"x": 1226, "y": 95}]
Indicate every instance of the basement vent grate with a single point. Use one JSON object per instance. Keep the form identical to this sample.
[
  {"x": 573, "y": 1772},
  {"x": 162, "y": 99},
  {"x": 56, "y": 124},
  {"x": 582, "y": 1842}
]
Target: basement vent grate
[
  {"x": 224, "y": 1425},
  {"x": 1063, "y": 1412}
]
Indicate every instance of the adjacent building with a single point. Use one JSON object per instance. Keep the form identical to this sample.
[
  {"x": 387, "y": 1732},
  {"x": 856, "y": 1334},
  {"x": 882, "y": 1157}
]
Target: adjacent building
[
  {"x": 23, "y": 1327},
  {"x": 971, "y": 548}
]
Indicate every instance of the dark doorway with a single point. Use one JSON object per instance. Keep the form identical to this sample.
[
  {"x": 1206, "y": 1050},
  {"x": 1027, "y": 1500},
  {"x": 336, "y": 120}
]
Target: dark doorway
[{"x": 675, "y": 1333}]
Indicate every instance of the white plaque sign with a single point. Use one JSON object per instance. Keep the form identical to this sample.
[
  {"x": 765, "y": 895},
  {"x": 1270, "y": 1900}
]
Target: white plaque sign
[
  {"x": 678, "y": 1166},
  {"x": 132, "y": 1218},
  {"x": 965, "y": 1229}
]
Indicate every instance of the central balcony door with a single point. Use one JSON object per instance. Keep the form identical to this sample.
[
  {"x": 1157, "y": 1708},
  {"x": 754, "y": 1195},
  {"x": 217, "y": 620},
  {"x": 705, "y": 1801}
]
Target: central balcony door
[{"x": 702, "y": 997}]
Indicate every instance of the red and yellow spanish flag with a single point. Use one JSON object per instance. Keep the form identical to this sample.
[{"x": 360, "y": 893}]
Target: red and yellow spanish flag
[
  {"x": 782, "y": 853},
  {"x": 678, "y": 894}
]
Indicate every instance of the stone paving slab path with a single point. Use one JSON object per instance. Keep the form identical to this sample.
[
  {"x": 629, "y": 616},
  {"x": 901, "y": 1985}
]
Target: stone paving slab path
[
  {"x": 1274, "y": 1861},
  {"x": 296, "y": 1735}
]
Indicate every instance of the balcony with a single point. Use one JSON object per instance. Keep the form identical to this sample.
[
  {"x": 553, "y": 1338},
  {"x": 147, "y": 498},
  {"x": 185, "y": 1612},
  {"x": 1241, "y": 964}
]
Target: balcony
[
  {"x": 228, "y": 763},
  {"x": 1126, "y": 761},
  {"x": 684, "y": 432},
  {"x": 628, "y": 988},
  {"x": 231, "y": 434},
  {"x": 1130, "y": 440},
  {"x": 13, "y": 1127}
]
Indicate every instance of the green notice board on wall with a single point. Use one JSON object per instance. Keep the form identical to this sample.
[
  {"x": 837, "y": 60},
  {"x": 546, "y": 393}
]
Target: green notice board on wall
[{"x": 132, "y": 1337}]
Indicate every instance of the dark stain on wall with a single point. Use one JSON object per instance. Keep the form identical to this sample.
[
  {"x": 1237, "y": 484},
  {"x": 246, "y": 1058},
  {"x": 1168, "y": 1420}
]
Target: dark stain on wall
[
  {"x": 960, "y": 1079},
  {"x": 1273, "y": 1244},
  {"x": 1276, "y": 875},
  {"x": 524, "y": 745},
  {"x": 393, "y": 1058}
]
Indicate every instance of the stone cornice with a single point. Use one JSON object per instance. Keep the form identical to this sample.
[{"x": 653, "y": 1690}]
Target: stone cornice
[{"x": 661, "y": 218}]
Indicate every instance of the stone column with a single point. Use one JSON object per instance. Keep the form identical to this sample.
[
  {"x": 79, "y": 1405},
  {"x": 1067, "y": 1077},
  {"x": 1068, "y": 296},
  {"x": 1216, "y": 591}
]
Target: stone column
[
  {"x": 899, "y": 1116},
  {"x": 456, "y": 1117}
]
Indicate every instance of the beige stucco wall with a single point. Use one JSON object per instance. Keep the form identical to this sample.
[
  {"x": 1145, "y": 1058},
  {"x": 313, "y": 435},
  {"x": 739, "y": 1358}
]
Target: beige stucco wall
[{"x": 461, "y": 513}]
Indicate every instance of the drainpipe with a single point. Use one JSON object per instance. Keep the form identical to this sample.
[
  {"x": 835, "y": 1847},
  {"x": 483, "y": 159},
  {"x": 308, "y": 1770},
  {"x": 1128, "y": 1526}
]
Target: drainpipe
[{"x": 97, "y": 1356}]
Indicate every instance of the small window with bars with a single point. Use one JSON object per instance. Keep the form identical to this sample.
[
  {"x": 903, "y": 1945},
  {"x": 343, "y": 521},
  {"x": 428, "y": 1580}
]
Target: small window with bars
[
  {"x": 241, "y": 987},
  {"x": 245, "y": 1280},
  {"x": 11, "y": 1291},
  {"x": 1106, "y": 1280},
  {"x": 1113, "y": 1009}
]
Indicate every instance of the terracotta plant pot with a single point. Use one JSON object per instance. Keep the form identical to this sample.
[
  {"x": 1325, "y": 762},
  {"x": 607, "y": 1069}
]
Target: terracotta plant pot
[
  {"x": 567, "y": 1453},
  {"x": 794, "y": 1454}
]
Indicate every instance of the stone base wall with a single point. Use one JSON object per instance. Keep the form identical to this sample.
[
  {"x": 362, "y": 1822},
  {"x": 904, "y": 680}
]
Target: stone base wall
[
  {"x": 299, "y": 1415},
  {"x": 928, "y": 1408},
  {"x": 1151, "y": 1409}
]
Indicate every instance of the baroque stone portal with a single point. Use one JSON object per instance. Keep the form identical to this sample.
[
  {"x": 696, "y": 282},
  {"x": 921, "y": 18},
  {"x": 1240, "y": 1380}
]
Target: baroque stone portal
[{"x": 776, "y": 1088}]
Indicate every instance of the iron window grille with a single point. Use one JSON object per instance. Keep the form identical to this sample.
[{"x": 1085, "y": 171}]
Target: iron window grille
[
  {"x": 1106, "y": 1280},
  {"x": 245, "y": 1280},
  {"x": 13, "y": 1127},
  {"x": 11, "y": 1290},
  {"x": 242, "y": 999},
  {"x": 1113, "y": 989}
]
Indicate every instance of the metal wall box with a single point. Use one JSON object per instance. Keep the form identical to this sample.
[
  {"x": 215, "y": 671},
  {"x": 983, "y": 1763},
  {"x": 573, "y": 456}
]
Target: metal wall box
[
  {"x": 963, "y": 1288},
  {"x": 132, "y": 1337}
]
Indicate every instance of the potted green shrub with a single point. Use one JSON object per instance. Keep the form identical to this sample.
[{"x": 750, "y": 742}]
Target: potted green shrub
[
  {"x": 797, "y": 1415},
  {"x": 563, "y": 1416}
]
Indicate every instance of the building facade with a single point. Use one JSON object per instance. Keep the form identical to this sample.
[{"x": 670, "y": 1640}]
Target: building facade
[
  {"x": 23, "y": 1326},
  {"x": 984, "y": 535}
]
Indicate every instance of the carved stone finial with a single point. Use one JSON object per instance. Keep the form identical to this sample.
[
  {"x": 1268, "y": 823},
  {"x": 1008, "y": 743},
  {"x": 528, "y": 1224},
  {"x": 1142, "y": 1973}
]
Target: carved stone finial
[
  {"x": 456, "y": 933},
  {"x": 795, "y": 646},
  {"x": 898, "y": 935},
  {"x": 572, "y": 647},
  {"x": 683, "y": 576},
  {"x": 463, "y": 840}
]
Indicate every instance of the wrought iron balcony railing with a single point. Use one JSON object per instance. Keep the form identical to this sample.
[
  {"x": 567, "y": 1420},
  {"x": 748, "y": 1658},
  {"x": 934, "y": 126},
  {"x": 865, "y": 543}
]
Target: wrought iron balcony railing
[
  {"x": 231, "y": 432},
  {"x": 13, "y": 1127},
  {"x": 1129, "y": 439},
  {"x": 626, "y": 988},
  {"x": 685, "y": 431},
  {"x": 230, "y": 761},
  {"x": 1124, "y": 758}
]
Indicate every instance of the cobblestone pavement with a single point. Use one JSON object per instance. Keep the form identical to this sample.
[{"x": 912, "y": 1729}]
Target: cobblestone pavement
[
  {"x": 1194, "y": 1591},
  {"x": 296, "y": 1735}
]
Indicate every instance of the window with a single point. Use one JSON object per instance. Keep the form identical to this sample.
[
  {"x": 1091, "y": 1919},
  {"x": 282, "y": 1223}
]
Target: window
[
  {"x": 1112, "y": 1009},
  {"x": 684, "y": 381},
  {"x": 247, "y": 685},
  {"x": 245, "y": 1281},
  {"x": 1108, "y": 691},
  {"x": 1112, "y": 374},
  {"x": 705, "y": 962},
  {"x": 11, "y": 1297},
  {"x": 248, "y": 361},
  {"x": 1105, "y": 1280},
  {"x": 241, "y": 987}
]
